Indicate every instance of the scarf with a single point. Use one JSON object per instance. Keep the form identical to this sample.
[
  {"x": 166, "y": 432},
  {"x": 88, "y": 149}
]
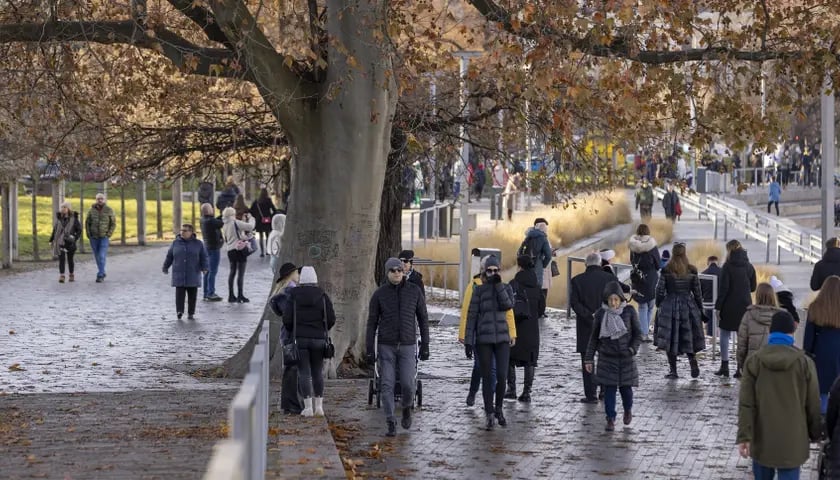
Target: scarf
[
  {"x": 612, "y": 325},
  {"x": 779, "y": 338}
]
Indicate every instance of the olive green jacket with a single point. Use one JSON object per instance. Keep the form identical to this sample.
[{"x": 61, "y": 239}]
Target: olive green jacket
[{"x": 100, "y": 222}]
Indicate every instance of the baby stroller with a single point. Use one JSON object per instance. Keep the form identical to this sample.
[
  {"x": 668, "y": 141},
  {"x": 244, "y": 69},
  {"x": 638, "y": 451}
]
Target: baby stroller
[{"x": 375, "y": 384}]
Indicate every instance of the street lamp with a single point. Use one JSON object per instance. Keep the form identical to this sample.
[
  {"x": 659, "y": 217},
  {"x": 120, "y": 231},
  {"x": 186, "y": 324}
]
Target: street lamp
[
  {"x": 463, "y": 191},
  {"x": 827, "y": 155}
]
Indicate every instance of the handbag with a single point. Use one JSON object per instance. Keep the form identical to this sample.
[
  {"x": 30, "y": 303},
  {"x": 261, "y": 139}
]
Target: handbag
[
  {"x": 263, "y": 218},
  {"x": 555, "y": 270},
  {"x": 329, "y": 348},
  {"x": 291, "y": 357},
  {"x": 247, "y": 245}
]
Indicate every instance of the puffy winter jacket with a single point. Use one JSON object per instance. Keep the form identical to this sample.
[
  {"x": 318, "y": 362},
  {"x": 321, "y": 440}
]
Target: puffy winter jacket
[
  {"x": 487, "y": 317},
  {"x": 395, "y": 313},
  {"x": 306, "y": 309},
  {"x": 828, "y": 266},
  {"x": 754, "y": 329},
  {"x": 188, "y": 258},
  {"x": 211, "y": 232},
  {"x": 737, "y": 280},
  {"x": 100, "y": 222}
]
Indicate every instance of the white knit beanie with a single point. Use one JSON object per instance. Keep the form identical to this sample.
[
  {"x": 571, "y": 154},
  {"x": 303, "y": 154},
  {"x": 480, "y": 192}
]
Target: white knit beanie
[{"x": 308, "y": 276}]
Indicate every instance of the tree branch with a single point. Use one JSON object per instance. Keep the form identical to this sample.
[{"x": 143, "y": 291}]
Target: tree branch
[
  {"x": 186, "y": 55},
  {"x": 204, "y": 19}
]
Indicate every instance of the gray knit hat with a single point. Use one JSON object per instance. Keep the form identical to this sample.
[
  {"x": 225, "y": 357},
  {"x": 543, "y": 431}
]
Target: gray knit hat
[{"x": 392, "y": 263}]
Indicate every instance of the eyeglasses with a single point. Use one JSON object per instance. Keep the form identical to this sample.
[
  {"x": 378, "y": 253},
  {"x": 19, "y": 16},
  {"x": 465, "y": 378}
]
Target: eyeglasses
[
  {"x": 186, "y": 230},
  {"x": 492, "y": 270},
  {"x": 395, "y": 270},
  {"x": 681, "y": 244},
  {"x": 406, "y": 260}
]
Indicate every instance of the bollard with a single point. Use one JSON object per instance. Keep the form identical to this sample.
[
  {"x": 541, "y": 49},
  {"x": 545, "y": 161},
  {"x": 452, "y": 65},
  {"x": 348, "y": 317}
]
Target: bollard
[{"x": 767, "y": 257}]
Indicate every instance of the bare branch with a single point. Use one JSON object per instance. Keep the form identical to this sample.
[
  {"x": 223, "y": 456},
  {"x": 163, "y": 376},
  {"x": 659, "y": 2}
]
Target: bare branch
[{"x": 204, "y": 19}]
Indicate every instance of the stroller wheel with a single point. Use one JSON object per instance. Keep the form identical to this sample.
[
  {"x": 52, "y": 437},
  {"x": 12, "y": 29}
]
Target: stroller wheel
[
  {"x": 419, "y": 395},
  {"x": 370, "y": 392}
]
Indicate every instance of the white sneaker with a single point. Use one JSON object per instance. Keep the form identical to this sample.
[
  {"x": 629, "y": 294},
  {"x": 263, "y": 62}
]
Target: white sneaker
[
  {"x": 319, "y": 406},
  {"x": 307, "y": 407}
]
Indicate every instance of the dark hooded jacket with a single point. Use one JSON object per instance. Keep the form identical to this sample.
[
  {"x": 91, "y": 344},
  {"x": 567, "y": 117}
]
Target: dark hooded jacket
[
  {"x": 188, "y": 258},
  {"x": 737, "y": 281},
  {"x": 679, "y": 323},
  {"x": 785, "y": 298},
  {"x": 211, "y": 232},
  {"x": 394, "y": 314},
  {"x": 307, "y": 310},
  {"x": 586, "y": 299},
  {"x": 541, "y": 253},
  {"x": 616, "y": 362},
  {"x": 644, "y": 254},
  {"x": 828, "y": 266},
  {"x": 416, "y": 278},
  {"x": 527, "y": 348},
  {"x": 669, "y": 203}
]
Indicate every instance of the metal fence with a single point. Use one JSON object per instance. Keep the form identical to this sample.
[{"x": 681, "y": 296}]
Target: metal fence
[
  {"x": 243, "y": 455},
  {"x": 434, "y": 211},
  {"x": 430, "y": 269}
]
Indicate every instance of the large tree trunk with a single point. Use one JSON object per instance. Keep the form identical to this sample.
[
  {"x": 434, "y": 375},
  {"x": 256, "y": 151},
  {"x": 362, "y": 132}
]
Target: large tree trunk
[
  {"x": 390, "y": 212},
  {"x": 340, "y": 146}
]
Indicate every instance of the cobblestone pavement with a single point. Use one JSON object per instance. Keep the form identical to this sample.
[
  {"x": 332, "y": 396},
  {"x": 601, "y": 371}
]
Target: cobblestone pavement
[
  {"x": 680, "y": 429},
  {"x": 121, "y": 334}
]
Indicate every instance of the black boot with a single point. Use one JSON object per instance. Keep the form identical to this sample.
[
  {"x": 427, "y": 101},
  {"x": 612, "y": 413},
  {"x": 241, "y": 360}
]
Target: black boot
[
  {"x": 527, "y": 383},
  {"x": 500, "y": 416},
  {"x": 511, "y": 383},
  {"x": 724, "y": 370},
  {"x": 737, "y": 373},
  {"x": 695, "y": 369},
  {"x": 672, "y": 364},
  {"x": 490, "y": 421}
]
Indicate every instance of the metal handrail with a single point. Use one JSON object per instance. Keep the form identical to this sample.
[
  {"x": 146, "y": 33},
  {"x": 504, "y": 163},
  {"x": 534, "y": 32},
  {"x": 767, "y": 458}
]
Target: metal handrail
[{"x": 435, "y": 224}]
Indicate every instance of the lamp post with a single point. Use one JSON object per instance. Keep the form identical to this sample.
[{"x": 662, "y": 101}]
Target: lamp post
[
  {"x": 827, "y": 151},
  {"x": 463, "y": 269}
]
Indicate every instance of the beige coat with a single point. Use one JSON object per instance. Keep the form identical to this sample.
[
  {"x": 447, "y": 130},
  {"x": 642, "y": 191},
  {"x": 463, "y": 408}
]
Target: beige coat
[{"x": 754, "y": 330}]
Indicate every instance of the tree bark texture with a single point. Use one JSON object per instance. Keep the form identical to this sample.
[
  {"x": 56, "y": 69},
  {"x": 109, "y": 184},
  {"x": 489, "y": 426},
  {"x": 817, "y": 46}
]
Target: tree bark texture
[{"x": 390, "y": 211}]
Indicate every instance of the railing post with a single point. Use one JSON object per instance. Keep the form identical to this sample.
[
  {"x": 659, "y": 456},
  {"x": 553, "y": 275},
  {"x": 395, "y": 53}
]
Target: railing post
[
  {"x": 716, "y": 225},
  {"x": 568, "y": 288},
  {"x": 412, "y": 231},
  {"x": 725, "y": 228},
  {"x": 767, "y": 257}
]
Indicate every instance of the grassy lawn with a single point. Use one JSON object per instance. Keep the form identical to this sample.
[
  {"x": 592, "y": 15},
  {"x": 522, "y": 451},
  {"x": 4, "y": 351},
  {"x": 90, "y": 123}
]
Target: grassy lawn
[{"x": 46, "y": 215}]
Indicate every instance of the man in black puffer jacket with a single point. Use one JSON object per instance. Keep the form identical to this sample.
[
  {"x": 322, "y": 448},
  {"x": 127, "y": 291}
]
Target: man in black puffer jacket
[
  {"x": 828, "y": 266},
  {"x": 396, "y": 309}
]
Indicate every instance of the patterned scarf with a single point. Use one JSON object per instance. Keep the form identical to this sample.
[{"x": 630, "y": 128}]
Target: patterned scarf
[{"x": 612, "y": 325}]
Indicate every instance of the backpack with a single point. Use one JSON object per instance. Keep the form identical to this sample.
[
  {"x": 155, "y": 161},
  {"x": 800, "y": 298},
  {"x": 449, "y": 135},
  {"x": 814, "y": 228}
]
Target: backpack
[
  {"x": 521, "y": 306},
  {"x": 530, "y": 246},
  {"x": 645, "y": 196}
]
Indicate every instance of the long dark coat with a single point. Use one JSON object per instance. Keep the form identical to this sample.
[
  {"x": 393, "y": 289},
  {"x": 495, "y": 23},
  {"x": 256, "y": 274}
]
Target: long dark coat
[
  {"x": 679, "y": 325},
  {"x": 586, "y": 298},
  {"x": 188, "y": 258},
  {"x": 829, "y": 265},
  {"x": 822, "y": 344},
  {"x": 616, "y": 362},
  {"x": 527, "y": 348},
  {"x": 261, "y": 209},
  {"x": 669, "y": 204},
  {"x": 737, "y": 281},
  {"x": 645, "y": 255},
  {"x": 832, "y": 430}
]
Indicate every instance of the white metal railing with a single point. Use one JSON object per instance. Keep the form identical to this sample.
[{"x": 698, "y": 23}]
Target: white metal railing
[
  {"x": 430, "y": 268},
  {"x": 248, "y": 420},
  {"x": 435, "y": 230}
]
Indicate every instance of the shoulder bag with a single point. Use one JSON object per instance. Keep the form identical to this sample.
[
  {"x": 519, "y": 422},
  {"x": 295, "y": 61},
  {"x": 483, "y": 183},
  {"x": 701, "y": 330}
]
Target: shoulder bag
[
  {"x": 555, "y": 270},
  {"x": 329, "y": 348},
  {"x": 247, "y": 245},
  {"x": 290, "y": 350},
  {"x": 263, "y": 218}
]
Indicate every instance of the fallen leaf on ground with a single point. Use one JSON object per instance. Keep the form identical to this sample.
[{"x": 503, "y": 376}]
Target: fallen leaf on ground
[
  {"x": 11, "y": 332},
  {"x": 16, "y": 368}
]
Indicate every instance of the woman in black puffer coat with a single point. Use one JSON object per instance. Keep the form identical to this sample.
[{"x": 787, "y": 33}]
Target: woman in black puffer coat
[
  {"x": 679, "y": 302},
  {"x": 737, "y": 281},
  {"x": 526, "y": 313}
]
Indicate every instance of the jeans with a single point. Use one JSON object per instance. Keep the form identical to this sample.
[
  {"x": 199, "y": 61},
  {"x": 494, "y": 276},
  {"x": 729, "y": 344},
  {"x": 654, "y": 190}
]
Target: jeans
[
  {"x": 311, "y": 366},
  {"x": 823, "y": 403},
  {"x": 773, "y": 203},
  {"x": 609, "y": 399},
  {"x": 180, "y": 293},
  {"x": 487, "y": 352},
  {"x": 272, "y": 262},
  {"x": 391, "y": 357},
  {"x": 209, "y": 281},
  {"x": 475, "y": 380},
  {"x": 99, "y": 247},
  {"x": 589, "y": 387},
  {"x": 724, "y": 344},
  {"x": 767, "y": 473},
  {"x": 71, "y": 265},
  {"x": 645, "y": 313}
]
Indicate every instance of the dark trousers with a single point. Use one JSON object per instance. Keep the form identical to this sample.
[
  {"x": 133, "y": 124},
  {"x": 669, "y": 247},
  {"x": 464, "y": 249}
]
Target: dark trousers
[
  {"x": 487, "y": 352},
  {"x": 180, "y": 293},
  {"x": 806, "y": 176},
  {"x": 290, "y": 391},
  {"x": 311, "y": 366},
  {"x": 773, "y": 203},
  {"x": 238, "y": 262},
  {"x": 68, "y": 255},
  {"x": 543, "y": 299},
  {"x": 475, "y": 379},
  {"x": 589, "y": 389}
]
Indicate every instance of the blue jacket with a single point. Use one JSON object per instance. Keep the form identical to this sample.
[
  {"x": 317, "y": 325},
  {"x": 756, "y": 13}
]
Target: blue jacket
[
  {"x": 188, "y": 258},
  {"x": 822, "y": 344},
  {"x": 543, "y": 252},
  {"x": 775, "y": 192}
]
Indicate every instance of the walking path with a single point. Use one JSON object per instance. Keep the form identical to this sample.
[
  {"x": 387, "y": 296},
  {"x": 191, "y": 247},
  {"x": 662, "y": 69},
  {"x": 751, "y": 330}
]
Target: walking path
[{"x": 143, "y": 419}]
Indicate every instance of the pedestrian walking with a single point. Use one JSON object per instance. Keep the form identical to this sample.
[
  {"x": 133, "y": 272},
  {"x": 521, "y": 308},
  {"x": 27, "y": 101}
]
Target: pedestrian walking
[
  {"x": 235, "y": 230},
  {"x": 511, "y": 190},
  {"x": 778, "y": 405},
  {"x": 211, "y": 232},
  {"x": 774, "y": 195},
  {"x": 737, "y": 282},
  {"x": 644, "y": 256},
  {"x": 644, "y": 199},
  {"x": 288, "y": 278},
  {"x": 586, "y": 298},
  {"x": 526, "y": 313},
  {"x": 475, "y": 379},
  {"x": 65, "y": 233},
  {"x": 99, "y": 226},
  {"x": 410, "y": 274},
  {"x": 397, "y": 309},
  {"x": 784, "y": 297},
  {"x": 616, "y": 336},
  {"x": 262, "y": 209},
  {"x": 807, "y": 163},
  {"x": 240, "y": 207},
  {"x": 227, "y": 195},
  {"x": 831, "y": 460},
  {"x": 679, "y": 301},
  {"x": 480, "y": 181},
  {"x": 188, "y": 259},
  {"x": 709, "y": 295},
  {"x": 829, "y": 264},
  {"x": 670, "y": 203},
  {"x": 275, "y": 239},
  {"x": 822, "y": 336},
  {"x": 490, "y": 336},
  {"x": 536, "y": 246},
  {"x": 755, "y": 326},
  {"x": 308, "y": 316}
]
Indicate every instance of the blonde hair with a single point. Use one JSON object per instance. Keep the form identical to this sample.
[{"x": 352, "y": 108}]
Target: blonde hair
[
  {"x": 765, "y": 295},
  {"x": 824, "y": 311},
  {"x": 207, "y": 209}
]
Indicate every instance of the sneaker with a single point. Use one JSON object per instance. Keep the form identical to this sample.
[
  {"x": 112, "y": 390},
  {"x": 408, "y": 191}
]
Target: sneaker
[
  {"x": 406, "y": 418},
  {"x": 392, "y": 429},
  {"x": 61, "y": 279},
  {"x": 72, "y": 278},
  {"x": 628, "y": 417},
  {"x": 647, "y": 339},
  {"x": 471, "y": 399},
  {"x": 99, "y": 279},
  {"x": 214, "y": 298},
  {"x": 180, "y": 315},
  {"x": 243, "y": 299},
  {"x": 588, "y": 400}
]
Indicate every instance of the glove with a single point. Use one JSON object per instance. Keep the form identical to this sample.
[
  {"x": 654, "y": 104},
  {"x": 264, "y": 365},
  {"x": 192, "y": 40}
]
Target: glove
[
  {"x": 370, "y": 358},
  {"x": 424, "y": 351},
  {"x": 165, "y": 271},
  {"x": 494, "y": 279},
  {"x": 468, "y": 350}
]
